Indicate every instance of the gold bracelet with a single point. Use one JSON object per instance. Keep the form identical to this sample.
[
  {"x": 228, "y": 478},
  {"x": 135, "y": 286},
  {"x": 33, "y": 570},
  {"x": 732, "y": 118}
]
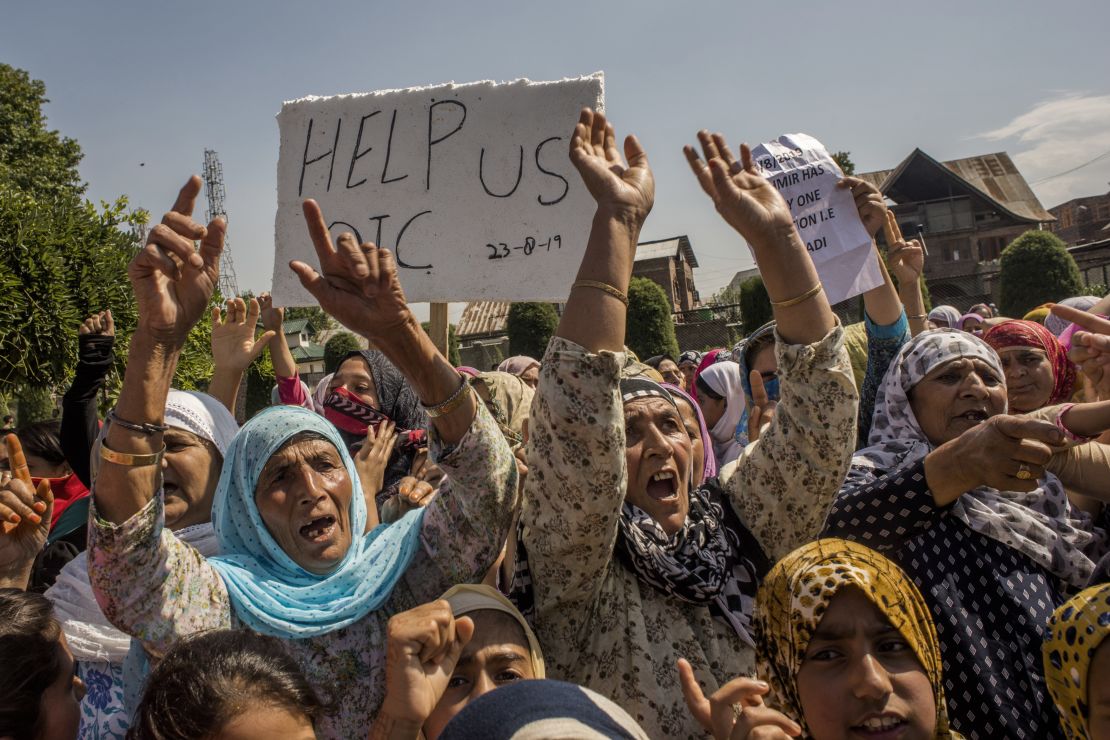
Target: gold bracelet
[
  {"x": 457, "y": 398},
  {"x": 918, "y": 317},
  {"x": 126, "y": 458},
  {"x": 800, "y": 299},
  {"x": 605, "y": 287}
]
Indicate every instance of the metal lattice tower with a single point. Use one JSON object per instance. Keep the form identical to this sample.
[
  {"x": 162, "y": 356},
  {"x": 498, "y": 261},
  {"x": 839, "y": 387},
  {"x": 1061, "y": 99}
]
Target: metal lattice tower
[{"x": 215, "y": 192}]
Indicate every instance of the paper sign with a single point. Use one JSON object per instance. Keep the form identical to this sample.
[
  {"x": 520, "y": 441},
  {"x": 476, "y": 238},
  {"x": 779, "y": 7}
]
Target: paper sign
[
  {"x": 469, "y": 185},
  {"x": 825, "y": 215}
]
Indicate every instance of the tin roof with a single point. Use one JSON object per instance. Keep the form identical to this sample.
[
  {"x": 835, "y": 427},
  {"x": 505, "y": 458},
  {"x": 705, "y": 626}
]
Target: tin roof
[
  {"x": 994, "y": 176},
  {"x": 483, "y": 317}
]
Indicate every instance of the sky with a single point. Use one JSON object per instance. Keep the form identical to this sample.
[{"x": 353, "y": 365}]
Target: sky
[{"x": 145, "y": 87}]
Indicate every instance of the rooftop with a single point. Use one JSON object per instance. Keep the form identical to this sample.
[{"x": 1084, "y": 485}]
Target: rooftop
[{"x": 667, "y": 248}]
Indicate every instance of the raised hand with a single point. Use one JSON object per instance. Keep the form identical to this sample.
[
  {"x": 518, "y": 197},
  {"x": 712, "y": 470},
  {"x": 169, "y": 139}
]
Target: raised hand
[
  {"x": 233, "y": 343},
  {"x": 99, "y": 323},
  {"x": 620, "y": 189},
  {"x": 735, "y": 711},
  {"x": 762, "y": 411},
  {"x": 869, "y": 202},
  {"x": 906, "y": 261},
  {"x": 272, "y": 316},
  {"x": 372, "y": 459},
  {"x": 743, "y": 197},
  {"x": 358, "y": 285},
  {"x": 25, "y": 516},
  {"x": 422, "y": 647},
  {"x": 172, "y": 281}
]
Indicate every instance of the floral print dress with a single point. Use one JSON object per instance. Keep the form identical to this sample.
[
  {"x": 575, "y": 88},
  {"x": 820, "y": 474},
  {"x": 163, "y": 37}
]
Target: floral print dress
[
  {"x": 599, "y": 625},
  {"x": 157, "y": 589}
]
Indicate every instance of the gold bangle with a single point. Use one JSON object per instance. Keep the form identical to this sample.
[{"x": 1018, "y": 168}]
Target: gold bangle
[
  {"x": 604, "y": 287},
  {"x": 126, "y": 458},
  {"x": 918, "y": 317},
  {"x": 457, "y": 398},
  {"x": 800, "y": 299}
]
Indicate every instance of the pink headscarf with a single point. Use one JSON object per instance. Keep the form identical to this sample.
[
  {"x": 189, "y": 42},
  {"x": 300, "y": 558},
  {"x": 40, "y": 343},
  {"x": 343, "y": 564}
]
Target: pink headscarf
[
  {"x": 706, "y": 360},
  {"x": 518, "y": 365}
]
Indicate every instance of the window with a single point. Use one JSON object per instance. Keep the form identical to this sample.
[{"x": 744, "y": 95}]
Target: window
[{"x": 990, "y": 248}]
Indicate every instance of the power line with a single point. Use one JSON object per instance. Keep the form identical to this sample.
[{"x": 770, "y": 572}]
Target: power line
[{"x": 1104, "y": 155}]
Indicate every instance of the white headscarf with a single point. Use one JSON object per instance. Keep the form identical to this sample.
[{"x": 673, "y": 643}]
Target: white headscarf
[
  {"x": 91, "y": 637},
  {"x": 724, "y": 378},
  {"x": 1040, "y": 524},
  {"x": 202, "y": 415}
]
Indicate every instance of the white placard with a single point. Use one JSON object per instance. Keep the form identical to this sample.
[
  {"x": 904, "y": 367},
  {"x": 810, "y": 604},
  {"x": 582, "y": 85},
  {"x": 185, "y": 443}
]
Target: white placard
[
  {"x": 470, "y": 185},
  {"x": 826, "y": 217}
]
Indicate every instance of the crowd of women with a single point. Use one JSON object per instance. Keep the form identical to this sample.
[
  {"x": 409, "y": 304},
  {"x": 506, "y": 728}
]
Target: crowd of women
[{"x": 895, "y": 529}]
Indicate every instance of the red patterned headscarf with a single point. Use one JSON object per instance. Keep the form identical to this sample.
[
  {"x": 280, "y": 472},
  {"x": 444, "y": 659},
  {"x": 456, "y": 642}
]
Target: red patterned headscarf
[{"x": 1020, "y": 333}]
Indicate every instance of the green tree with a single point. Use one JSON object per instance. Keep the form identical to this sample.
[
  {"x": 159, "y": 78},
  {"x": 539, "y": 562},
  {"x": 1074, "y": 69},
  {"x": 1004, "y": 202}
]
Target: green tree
[
  {"x": 530, "y": 327},
  {"x": 650, "y": 329},
  {"x": 755, "y": 305},
  {"x": 338, "y": 347},
  {"x": 452, "y": 342},
  {"x": 33, "y": 159},
  {"x": 844, "y": 160},
  {"x": 316, "y": 316},
  {"x": 1036, "y": 268},
  {"x": 260, "y": 382}
]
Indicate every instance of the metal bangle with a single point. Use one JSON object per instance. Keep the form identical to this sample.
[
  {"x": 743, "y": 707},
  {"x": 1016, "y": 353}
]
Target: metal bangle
[
  {"x": 131, "y": 460},
  {"x": 604, "y": 287},
  {"x": 453, "y": 402},
  {"x": 147, "y": 428},
  {"x": 795, "y": 301}
]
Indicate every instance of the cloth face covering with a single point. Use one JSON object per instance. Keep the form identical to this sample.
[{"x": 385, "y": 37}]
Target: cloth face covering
[
  {"x": 795, "y": 596},
  {"x": 771, "y": 387},
  {"x": 270, "y": 592},
  {"x": 1031, "y": 334},
  {"x": 1075, "y": 632},
  {"x": 348, "y": 412},
  {"x": 1037, "y": 524}
]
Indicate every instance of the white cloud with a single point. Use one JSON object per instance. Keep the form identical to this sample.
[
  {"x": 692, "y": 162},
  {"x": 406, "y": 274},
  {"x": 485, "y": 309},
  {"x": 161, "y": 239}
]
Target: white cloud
[{"x": 1056, "y": 135}]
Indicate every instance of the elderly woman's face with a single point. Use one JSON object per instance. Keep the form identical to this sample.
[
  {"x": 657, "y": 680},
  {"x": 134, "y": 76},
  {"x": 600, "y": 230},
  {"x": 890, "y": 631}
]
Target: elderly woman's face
[
  {"x": 693, "y": 430},
  {"x": 354, "y": 375},
  {"x": 190, "y": 472},
  {"x": 671, "y": 373},
  {"x": 956, "y": 396},
  {"x": 304, "y": 498},
  {"x": 497, "y": 654},
  {"x": 861, "y": 678},
  {"x": 1029, "y": 379},
  {"x": 659, "y": 455}
]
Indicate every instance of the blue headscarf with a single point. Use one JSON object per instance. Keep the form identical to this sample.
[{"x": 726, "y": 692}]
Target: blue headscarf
[
  {"x": 742, "y": 356},
  {"x": 270, "y": 593}
]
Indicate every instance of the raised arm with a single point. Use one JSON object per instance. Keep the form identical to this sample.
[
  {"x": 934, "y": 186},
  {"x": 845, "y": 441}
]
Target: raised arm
[
  {"x": 786, "y": 480},
  {"x": 80, "y": 421},
  {"x": 576, "y": 449},
  {"x": 753, "y": 207},
  {"x": 273, "y": 318},
  {"x": 234, "y": 348},
  {"x": 173, "y": 283},
  {"x": 359, "y": 287}
]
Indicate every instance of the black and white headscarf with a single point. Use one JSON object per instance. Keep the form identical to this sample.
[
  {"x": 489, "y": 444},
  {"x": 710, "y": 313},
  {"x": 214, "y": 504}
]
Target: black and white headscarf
[
  {"x": 713, "y": 560},
  {"x": 1040, "y": 524}
]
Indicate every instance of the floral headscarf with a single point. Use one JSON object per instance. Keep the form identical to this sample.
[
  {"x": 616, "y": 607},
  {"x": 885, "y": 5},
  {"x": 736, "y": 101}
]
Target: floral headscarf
[
  {"x": 1075, "y": 632},
  {"x": 1038, "y": 524},
  {"x": 795, "y": 596},
  {"x": 1023, "y": 333},
  {"x": 509, "y": 399}
]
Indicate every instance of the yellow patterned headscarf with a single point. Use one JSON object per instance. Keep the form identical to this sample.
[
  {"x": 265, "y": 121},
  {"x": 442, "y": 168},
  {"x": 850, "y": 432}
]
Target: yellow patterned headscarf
[
  {"x": 1074, "y": 634},
  {"x": 797, "y": 592}
]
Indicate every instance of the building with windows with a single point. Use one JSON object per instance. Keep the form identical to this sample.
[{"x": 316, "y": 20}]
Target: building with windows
[
  {"x": 966, "y": 211},
  {"x": 670, "y": 264},
  {"x": 1082, "y": 220},
  {"x": 308, "y": 355}
]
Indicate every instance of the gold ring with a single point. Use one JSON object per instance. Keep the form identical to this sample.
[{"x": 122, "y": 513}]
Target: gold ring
[{"x": 1024, "y": 473}]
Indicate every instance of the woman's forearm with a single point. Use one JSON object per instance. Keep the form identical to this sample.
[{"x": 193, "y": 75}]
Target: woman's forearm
[
  {"x": 284, "y": 364},
  {"x": 123, "y": 490},
  {"x": 881, "y": 303},
  {"x": 788, "y": 272},
  {"x": 593, "y": 318}
]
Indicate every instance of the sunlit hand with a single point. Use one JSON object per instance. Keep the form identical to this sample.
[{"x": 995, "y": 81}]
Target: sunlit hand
[
  {"x": 762, "y": 411},
  {"x": 99, "y": 323},
  {"x": 24, "y": 514},
  {"x": 619, "y": 189},
  {"x": 272, "y": 316},
  {"x": 906, "y": 261},
  {"x": 1090, "y": 348},
  {"x": 358, "y": 285},
  {"x": 743, "y": 197},
  {"x": 372, "y": 459},
  {"x": 422, "y": 647},
  {"x": 233, "y": 342},
  {"x": 736, "y": 710},
  {"x": 869, "y": 202},
  {"x": 172, "y": 281}
]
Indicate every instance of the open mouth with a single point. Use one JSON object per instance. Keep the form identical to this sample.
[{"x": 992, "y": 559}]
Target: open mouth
[
  {"x": 319, "y": 528},
  {"x": 974, "y": 416},
  {"x": 882, "y": 727},
  {"x": 663, "y": 486}
]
